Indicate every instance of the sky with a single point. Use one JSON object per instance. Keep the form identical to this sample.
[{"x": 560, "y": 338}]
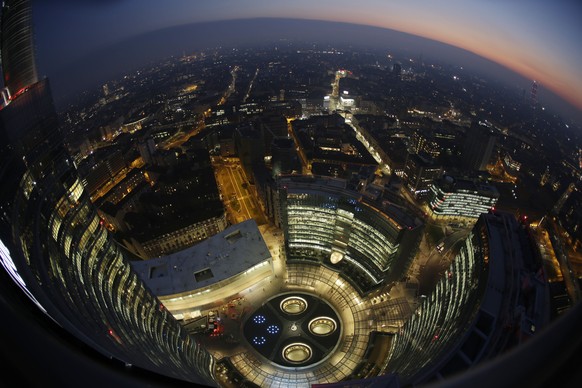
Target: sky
[{"x": 539, "y": 39}]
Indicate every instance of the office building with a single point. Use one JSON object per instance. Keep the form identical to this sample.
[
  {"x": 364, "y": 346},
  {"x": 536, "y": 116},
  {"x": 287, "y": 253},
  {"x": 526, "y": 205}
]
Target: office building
[
  {"x": 491, "y": 298},
  {"x": 478, "y": 148},
  {"x": 324, "y": 222},
  {"x": 229, "y": 262},
  {"x": 16, "y": 44},
  {"x": 425, "y": 145},
  {"x": 55, "y": 247},
  {"x": 451, "y": 198},
  {"x": 419, "y": 173}
]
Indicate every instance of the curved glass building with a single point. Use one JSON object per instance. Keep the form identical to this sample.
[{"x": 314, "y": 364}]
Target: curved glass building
[
  {"x": 54, "y": 245},
  {"x": 370, "y": 243},
  {"x": 16, "y": 46},
  {"x": 492, "y": 297}
]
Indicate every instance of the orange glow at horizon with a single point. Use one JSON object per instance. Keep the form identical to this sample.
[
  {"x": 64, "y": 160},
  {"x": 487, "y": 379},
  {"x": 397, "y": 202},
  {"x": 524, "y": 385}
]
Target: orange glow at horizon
[
  {"x": 483, "y": 38},
  {"x": 522, "y": 60}
]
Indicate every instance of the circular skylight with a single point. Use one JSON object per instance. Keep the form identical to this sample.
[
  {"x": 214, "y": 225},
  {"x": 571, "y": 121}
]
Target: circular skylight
[
  {"x": 293, "y": 305},
  {"x": 322, "y": 326},
  {"x": 297, "y": 352}
]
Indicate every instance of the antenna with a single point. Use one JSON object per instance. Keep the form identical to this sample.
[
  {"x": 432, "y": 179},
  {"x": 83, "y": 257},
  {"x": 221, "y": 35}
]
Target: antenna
[{"x": 534, "y": 94}]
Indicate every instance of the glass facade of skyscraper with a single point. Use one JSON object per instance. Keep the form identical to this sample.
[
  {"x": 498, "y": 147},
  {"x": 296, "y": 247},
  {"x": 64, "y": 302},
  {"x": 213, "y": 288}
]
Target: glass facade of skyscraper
[
  {"x": 490, "y": 299},
  {"x": 451, "y": 198},
  {"x": 325, "y": 222},
  {"x": 56, "y": 248},
  {"x": 16, "y": 46},
  {"x": 441, "y": 319}
]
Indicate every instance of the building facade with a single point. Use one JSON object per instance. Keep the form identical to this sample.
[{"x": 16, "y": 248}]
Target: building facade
[
  {"x": 419, "y": 173},
  {"x": 54, "y": 246},
  {"x": 368, "y": 242},
  {"x": 179, "y": 239},
  {"x": 16, "y": 44},
  {"x": 491, "y": 298},
  {"x": 229, "y": 262},
  {"x": 452, "y": 198}
]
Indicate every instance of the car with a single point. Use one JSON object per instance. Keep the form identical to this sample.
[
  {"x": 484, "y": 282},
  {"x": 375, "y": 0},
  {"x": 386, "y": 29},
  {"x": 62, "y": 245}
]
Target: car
[{"x": 441, "y": 247}]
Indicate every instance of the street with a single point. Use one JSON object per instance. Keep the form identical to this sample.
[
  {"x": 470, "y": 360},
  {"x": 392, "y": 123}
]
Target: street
[{"x": 240, "y": 204}]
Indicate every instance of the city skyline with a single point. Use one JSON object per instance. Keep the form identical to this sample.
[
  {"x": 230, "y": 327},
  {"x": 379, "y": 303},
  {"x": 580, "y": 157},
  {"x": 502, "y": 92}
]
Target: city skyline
[
  {"x": 268, "y": 211},
  {"x": 534, "y": 39}
]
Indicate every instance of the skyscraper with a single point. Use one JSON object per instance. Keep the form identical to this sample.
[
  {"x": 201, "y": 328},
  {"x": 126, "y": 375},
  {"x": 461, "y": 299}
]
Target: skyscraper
[
  {"x": 419, "y": 173},
  {"x": 451, "y": 198},
  {"x": 492, "y": 297},
  {"x": 533, "y": 98},
  {"x": 478, "y": 148},
  {"x": 325, "y": 222},
  {"x": 16, "y": 46},
  {"x": 53, "y": 243}
]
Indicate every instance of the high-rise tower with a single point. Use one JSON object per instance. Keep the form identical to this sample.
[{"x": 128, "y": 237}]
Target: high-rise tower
[
  {"x": 534, "y": 94},
  {"x": 326, "y": 222},
  {"x": 16, "y": 45},
  {"x": 492, "y": 298},
  {"x": 478, "y": 148},
  {"x": 53, "y": 243}
]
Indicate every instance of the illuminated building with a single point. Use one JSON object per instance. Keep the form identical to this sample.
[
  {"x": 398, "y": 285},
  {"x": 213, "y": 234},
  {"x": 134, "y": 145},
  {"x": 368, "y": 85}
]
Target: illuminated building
[
  {"x": 324, "y": 222},
  {"x": 545, "y": 177},
  {"x": 183, "y": 208},
  {"x": 326, "y": 103},
  {"x": 234, "y": 259},
  {"x": 55, "y": 248},
  {"x": 134, "y": 125},
  {"x": 511, "y": 165},
  {"x": 62, "y": 256},
  {"x": 451, "y": 197},
  {"x": 126, "y": 186},
  {"x": 184, "y": 237},
  {"x": 491, "y": 298},
  {"x": 419, "y": 173},
  {"x": 346, "y": 102},
  {"x": 423, "y": 144},
  {"x": 16, "y": 45},
  {"x": 101, "y": 168}
]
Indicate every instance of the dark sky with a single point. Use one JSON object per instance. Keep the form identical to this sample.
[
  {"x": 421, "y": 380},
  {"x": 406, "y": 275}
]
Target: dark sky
[{"x": 536, "y": 38}]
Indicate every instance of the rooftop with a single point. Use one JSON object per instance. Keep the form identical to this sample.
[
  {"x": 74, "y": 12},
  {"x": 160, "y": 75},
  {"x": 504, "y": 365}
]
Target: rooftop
[
  {"x": 454, "y": 184},
  {"x": 230, "y": 252}
]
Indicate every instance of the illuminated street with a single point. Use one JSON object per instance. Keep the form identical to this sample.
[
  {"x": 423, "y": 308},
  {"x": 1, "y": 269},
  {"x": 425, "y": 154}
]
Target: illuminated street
[{"x": 240, "y": 204}]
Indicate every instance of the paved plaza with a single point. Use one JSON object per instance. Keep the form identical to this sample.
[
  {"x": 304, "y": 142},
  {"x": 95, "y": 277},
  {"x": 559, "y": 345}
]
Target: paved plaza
[{"x": 380, "y": 311}]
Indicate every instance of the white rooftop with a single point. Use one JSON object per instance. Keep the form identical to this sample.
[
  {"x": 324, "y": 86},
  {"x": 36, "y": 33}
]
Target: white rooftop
[{"x": 230, "y": 252}]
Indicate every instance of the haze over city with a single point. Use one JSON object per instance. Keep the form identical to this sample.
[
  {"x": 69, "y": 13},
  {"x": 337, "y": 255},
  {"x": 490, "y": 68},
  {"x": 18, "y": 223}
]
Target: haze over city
[
  {"x": 291, "y": 194},
  {"x": 537, "y": 39}
]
